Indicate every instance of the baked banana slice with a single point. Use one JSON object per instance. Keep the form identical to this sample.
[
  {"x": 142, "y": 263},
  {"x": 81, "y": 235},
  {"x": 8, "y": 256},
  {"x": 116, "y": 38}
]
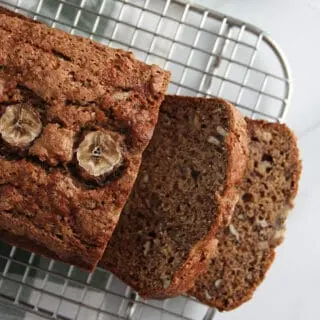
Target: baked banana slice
[
  {"x": 99, "y": 153},
  {"x": 20, "y": 124}
]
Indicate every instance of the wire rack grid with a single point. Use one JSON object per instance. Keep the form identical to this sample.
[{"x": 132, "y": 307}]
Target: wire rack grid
[{"x": 209, "y": 54}]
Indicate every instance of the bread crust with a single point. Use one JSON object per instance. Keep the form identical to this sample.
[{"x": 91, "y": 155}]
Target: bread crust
[
  {"x": 263, "y": 224},
  {"x": 47, "y": 204}
]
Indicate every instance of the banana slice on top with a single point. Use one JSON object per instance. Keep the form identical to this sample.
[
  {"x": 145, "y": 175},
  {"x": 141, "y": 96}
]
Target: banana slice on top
[
  {"x": 99, "y": 153},
  {"x": 19, "y": 125}
]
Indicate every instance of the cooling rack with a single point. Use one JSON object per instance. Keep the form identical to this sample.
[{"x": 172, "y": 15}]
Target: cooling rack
[{"x": 209, "y": 54}]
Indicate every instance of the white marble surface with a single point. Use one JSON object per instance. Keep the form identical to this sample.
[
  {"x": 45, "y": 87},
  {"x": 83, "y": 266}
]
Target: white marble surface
[{"x": 291, "y": 289}]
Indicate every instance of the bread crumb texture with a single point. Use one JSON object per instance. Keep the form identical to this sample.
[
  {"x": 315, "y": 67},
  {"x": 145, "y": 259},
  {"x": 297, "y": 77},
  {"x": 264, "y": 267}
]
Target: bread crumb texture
[{"x": 247, "y": 246}]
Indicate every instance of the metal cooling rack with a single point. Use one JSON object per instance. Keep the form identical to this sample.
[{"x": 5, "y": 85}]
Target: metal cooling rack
[{"x": 209, "y": 54}]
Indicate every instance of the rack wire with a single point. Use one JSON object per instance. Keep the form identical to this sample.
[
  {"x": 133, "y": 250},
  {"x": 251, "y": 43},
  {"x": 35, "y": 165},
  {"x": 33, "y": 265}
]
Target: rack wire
[{"x": 209, "y": 54}]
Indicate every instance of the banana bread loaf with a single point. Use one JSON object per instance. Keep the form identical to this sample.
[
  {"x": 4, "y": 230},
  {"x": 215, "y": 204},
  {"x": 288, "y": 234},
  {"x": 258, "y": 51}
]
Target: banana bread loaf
[
  {"x": 75, "y": 117},
  {"x": 185, "y": 189},
  {"x": 246, "y": 247}
]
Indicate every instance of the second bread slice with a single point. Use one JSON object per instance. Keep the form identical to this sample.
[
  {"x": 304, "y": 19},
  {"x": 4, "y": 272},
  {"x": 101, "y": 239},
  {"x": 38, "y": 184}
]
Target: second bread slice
[
  {"x": 247, "y": 246},
  {"x": 184, "y": 191}
]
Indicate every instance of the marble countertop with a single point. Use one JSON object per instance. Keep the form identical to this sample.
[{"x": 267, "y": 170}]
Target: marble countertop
[{"x": 291, "y": 289}]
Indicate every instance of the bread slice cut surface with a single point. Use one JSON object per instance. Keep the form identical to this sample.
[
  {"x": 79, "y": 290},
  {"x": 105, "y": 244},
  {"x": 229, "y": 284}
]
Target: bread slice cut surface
[
  {"x": 185, "y": 189},
  {"x": 246, "y": 247}
]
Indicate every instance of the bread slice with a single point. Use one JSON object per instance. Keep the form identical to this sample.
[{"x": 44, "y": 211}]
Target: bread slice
[
  {"x": 184, "y": 190},
  {"x": 75, "y": 117},
  {"x": 246, "y": 247}
]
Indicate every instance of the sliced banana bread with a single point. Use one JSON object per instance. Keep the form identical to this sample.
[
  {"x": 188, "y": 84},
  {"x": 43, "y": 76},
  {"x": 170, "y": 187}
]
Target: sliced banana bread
[
  {"x": 184, "y": 191},
  {"x": 75, "y": 117},
  {"x": 246, "y": 247}
]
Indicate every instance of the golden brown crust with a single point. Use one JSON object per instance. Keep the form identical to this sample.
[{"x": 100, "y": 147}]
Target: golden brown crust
[
  {"x": 36, "y": 245},
  {"x": 246, "y": 248},
  {"x": 77, "y": 86},
  {"x": 195, "y": 122}
]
